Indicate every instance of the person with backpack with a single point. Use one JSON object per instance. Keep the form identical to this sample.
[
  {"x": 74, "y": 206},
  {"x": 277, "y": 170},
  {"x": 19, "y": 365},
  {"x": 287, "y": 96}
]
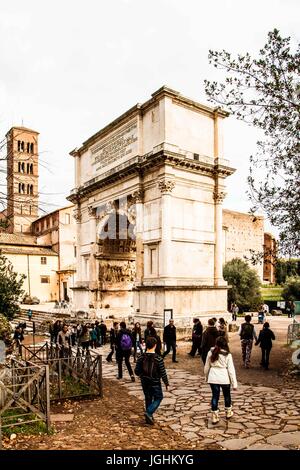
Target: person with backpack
[
  {"x": 151, "y": 369},
  {"x": 196, "y": 337},
  {"x": 169, "y": 338},
  {"x": 265, "y": 338},
  {"x": 124, "y": 344},
  {"x": 247, "y": 334},
  {"x": 219, "y": 372}
]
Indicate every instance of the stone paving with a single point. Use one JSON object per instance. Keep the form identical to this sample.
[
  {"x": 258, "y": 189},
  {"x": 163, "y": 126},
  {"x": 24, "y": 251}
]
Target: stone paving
[{"x": 264, "y": 418}]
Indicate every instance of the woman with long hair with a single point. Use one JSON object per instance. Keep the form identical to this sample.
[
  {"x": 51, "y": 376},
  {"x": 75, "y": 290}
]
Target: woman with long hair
[{"x": 219, "y": 372}]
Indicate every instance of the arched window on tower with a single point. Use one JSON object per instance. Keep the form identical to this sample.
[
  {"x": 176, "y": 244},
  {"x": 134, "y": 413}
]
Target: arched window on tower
[
  {"x": 28, "y": 147},
  {"x": 22, "y": 146},
  {"x": 20, "y": 188},
  {"x": 31, "y": 168},
  {"x": 23, "y": 167},
  {"x": 23, "y": 188},
  {"x": 31, "y": 148},
  {"x": 31, "y": 189},
  {"x": 19, "y": 167},
  {"x": 28, "y": 167}
]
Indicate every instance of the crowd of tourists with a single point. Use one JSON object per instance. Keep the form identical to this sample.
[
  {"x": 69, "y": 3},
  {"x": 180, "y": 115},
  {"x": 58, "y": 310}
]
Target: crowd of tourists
[
  {"x": 211, "y": 344},
  {"x": 148, "y": 351}
]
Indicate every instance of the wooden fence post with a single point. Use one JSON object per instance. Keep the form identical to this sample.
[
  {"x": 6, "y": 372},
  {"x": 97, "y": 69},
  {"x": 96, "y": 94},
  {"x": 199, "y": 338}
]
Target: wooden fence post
[
  {"x": 47, "y": 383},
  {"x": 100, "y": 377}
]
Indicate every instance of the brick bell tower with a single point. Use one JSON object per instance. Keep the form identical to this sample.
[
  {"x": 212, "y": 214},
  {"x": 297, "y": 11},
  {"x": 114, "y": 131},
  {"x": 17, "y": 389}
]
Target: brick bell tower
[{"x": 22, "y": 179}]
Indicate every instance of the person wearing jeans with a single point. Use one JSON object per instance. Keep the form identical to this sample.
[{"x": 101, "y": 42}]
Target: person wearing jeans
[
  {"x": 123, "y": 351},
  {"x": 151, "y": 369},
  {"x": 219, "y": 372}
]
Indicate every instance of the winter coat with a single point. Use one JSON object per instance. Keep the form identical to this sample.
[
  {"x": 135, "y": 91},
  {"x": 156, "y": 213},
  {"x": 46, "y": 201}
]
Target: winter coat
[
  {"x": 169, "y": 334},
  {"x": 265, "y": 338},
  {"x": 209, "y": 338},
  {"x": 197, "y": 331},
  {"x": 221, "y": 371}
]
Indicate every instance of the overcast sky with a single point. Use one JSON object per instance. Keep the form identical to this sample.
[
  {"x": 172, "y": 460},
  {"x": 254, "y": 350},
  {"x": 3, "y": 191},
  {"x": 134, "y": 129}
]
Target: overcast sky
[{"x": 70, "y": 67}]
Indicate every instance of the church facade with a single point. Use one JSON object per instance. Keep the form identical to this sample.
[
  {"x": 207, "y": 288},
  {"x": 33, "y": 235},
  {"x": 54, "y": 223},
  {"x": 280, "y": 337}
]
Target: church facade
[{"x": 148, "y": 200}]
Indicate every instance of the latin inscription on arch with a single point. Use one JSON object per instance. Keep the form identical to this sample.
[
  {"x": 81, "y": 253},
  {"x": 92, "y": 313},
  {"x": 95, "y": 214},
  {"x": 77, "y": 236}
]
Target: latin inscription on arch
[{"x": 116, "y": 146}]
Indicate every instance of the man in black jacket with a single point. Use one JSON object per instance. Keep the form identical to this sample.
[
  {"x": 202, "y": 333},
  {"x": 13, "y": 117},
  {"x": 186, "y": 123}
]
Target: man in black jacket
[
  {"x": 196, "y": 337},
  {"x": 124, "y": 344},
  {"x": 169, "y": 339}
]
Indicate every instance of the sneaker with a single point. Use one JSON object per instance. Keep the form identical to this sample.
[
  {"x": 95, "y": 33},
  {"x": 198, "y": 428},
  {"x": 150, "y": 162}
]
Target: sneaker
[
  {"x": 132, "y": 378},
  {"x": 149, "y": 419}
]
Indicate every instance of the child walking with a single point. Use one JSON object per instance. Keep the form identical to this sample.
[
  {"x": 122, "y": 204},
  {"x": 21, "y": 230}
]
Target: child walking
[
  {"x": 265, "y": 338},
  {"x": 219, "y": 372},
  {"x": 151, "y": 369}
]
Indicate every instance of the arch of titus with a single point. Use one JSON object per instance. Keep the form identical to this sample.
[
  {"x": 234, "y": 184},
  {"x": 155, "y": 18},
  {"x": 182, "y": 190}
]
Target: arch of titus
[{"x": 148, "y": 194}]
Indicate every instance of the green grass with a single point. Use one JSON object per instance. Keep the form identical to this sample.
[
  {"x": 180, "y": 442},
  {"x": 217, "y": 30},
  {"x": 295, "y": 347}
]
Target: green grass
[
  {"x": 272, "y": 293},
  {"x": 70, "y": 387},
  {"x": 10, "y": 417}
]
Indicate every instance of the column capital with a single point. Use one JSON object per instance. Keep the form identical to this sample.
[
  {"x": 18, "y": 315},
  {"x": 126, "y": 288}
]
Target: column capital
[
  {"x": 137, "y": 196},
  {"x": 219, "y": 196},
  {"x": 77, "y": 215},
  {"x": 166, "y": 186},
  {"x": 92, "y": 211}
]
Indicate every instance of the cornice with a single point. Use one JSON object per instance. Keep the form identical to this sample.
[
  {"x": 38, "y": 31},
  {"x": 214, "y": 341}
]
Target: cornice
[{"x": 140, "y": 165}]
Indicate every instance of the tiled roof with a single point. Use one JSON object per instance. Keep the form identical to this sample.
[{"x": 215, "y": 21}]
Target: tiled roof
[
  {"x": 17, "y": 239},
  {"x": 27, "y": 250}
]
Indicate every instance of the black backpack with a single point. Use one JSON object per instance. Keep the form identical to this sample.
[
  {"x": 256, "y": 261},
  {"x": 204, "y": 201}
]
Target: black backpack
[{"x": 150, "y": 367}]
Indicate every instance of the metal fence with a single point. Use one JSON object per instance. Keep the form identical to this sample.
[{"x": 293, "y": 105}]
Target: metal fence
[
  {"x": 73, "y": 372},
  {"x": 24, "y": 394}
]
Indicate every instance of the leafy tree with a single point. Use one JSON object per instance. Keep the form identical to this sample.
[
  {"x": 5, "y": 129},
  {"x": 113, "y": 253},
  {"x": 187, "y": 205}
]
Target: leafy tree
[
  {"x": 10, "y": 289},
  {"x": 285, "y": 268},
  {"x": 265, "y": 92},
  {"x": 244, "y": 284},
  {"x": 291, "y": 290}
]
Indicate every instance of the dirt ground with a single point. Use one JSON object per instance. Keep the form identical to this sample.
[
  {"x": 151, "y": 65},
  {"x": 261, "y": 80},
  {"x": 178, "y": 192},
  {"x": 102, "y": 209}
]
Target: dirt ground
[{"x": 115, "y": 422}]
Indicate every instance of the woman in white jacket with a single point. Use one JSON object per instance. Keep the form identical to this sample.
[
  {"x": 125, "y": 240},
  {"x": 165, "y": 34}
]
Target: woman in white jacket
[{"x": 220, "y": 373}]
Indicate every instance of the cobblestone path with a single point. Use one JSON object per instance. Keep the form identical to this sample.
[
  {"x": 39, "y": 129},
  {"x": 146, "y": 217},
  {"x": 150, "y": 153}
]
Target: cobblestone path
[{"x": 264, "y": 418}]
